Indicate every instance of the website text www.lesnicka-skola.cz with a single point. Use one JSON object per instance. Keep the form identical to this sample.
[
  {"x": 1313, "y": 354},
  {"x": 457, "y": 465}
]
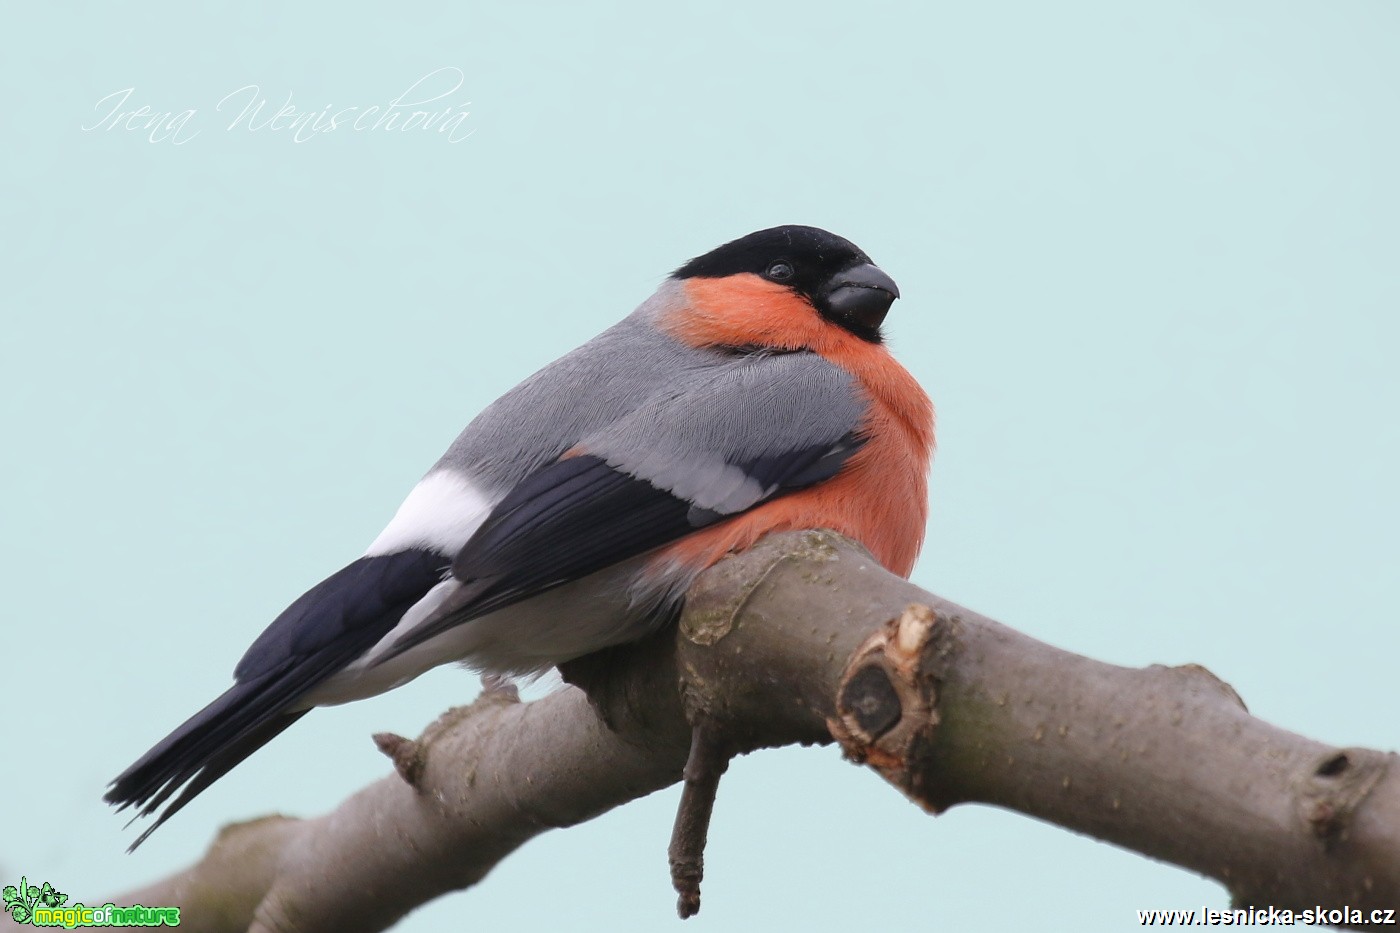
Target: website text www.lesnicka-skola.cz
[{"x": 1267, "y": 917}]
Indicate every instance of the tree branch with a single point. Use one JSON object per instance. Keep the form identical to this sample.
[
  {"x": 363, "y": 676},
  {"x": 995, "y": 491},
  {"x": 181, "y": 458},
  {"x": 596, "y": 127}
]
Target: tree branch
[{"x": 799, "y": 639}]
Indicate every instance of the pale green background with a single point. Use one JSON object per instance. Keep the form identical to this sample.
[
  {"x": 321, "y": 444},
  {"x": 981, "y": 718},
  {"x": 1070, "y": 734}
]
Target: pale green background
[{"x": 1149, "y": 261}]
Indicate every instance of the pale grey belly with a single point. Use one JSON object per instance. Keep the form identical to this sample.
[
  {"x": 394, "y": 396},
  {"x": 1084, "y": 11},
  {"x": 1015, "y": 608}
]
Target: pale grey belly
[{"x": 572, "y": 620}]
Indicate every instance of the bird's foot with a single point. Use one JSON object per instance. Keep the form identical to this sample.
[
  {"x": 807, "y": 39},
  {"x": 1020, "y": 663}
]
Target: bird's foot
[{"x": 499, "y": 684}]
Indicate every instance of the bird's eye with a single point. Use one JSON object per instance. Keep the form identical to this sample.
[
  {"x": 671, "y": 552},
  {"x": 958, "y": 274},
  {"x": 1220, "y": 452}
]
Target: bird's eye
[{"x": 780, "y": 271}]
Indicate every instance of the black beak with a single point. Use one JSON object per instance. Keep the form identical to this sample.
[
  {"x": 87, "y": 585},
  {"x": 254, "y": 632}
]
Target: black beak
[{"x": 858, "y": 298}]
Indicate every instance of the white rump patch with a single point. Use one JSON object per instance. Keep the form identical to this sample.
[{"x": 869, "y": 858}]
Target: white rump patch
[{"x": 442, "y": 512}]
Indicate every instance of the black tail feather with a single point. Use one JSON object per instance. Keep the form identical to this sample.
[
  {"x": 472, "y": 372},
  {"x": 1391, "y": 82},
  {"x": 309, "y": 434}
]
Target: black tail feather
[
  {"x": 207, "y": 746},
  {"x": 317, "y": 636},
  {"x": 213, "y": 741},
  {"x": 212, "y": 769}
]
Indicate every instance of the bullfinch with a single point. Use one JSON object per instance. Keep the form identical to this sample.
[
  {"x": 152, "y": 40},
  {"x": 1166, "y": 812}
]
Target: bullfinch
[{"x": 751, "y": 393}]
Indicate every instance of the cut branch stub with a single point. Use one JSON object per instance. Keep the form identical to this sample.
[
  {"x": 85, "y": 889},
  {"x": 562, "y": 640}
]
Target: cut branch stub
[
  {"x": 1335, "y": 788},
  {"x": 887, "y": 702},
  {"x": 410, "y": 756},
  {"x": 406, "y": 754}
]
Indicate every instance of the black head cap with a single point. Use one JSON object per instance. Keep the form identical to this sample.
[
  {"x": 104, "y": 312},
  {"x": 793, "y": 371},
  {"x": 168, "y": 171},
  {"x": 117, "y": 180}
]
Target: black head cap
[{"x": 834, "y": 274}]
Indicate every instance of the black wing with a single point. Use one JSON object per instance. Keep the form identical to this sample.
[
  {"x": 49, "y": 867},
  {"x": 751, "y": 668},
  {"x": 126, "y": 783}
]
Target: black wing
[{"x": 580, "y": 515}]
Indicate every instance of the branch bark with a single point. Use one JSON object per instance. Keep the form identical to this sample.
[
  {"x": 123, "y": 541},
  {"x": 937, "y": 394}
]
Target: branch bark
[{"x": 799, "y": 639}]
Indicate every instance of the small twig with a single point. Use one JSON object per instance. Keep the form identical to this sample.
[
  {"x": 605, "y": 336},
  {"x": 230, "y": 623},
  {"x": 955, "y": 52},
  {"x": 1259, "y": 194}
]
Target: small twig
[
  {"x": 404, "y": 753},
  {"x": 709, "y": 759}
]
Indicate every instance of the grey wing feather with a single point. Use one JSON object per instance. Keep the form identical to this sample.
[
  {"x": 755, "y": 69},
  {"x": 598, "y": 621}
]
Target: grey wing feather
[
  {"x": 592, "y": 386},
  {"x": 702, "y": 443}
]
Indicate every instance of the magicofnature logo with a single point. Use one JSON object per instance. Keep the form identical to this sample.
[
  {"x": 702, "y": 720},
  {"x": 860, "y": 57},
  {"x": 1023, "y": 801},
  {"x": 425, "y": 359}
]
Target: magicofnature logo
[
  {"x": 43, "y": 906},
  {"x": 21, "y": 901}
]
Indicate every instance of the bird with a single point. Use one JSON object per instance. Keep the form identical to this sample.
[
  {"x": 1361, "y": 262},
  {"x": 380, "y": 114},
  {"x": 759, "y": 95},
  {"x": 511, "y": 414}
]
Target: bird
[{"x": 752, "y": 393}]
